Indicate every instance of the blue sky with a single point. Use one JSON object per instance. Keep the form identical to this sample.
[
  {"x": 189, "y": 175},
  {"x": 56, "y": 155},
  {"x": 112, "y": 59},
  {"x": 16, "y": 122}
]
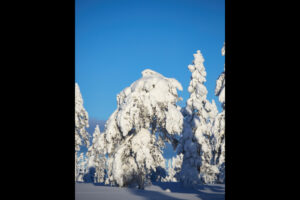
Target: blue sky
[{"x": 115, "y": 40}]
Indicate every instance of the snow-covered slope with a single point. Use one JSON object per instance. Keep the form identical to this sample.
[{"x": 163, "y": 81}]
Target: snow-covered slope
[{"x": 157, "y": 191}]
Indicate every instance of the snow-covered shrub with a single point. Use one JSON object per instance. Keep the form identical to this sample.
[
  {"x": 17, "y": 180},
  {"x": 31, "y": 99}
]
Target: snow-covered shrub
[
  {"x": 195, "y": 143},
  {"x": 147, "y": 107}
]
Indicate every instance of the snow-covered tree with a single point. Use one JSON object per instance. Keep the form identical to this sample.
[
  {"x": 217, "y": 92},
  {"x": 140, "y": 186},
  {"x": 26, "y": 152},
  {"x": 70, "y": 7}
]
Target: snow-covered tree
[
  {"x": 81, "y": 121},
  {"x": 174, "y": 168},
  {"x": 96, "y": 159},
  {"x": 195, "y": 143},
  {"x": 219, "y": 127},
  {"x": 81, "y": 167},
  {"x": 145, "y": 108},
  {"x": 101, "y": 162}
]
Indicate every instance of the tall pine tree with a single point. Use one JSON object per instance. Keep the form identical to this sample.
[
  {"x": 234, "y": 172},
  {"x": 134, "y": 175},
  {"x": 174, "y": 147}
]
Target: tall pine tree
[{"x": 195, "y": 144}]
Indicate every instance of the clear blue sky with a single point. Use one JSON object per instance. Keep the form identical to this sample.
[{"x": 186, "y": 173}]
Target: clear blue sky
[{"x": 115, "y": 40}]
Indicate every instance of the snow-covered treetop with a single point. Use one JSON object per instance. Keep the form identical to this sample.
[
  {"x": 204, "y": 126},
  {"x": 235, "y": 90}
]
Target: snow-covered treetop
[
  {"x": 160, "y": 88},
  {"x": 153, "y": 90},
  {"x": 78, "y": 100},
  {"x": 149, "y": 102},
  {"x": 197, "y": 90},
  {"x": 81, "y": 120},
  {"x": 96, "y": 135}
]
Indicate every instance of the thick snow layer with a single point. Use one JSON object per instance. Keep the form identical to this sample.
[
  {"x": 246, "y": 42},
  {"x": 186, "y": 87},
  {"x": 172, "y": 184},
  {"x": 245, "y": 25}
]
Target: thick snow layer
[{"x": 157, "y": 191}]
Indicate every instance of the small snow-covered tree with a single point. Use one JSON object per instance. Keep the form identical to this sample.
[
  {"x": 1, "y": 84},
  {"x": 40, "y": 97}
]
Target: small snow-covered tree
[
  {"x": 219, "y": 127},
  {"x": 174, "y": 168},
  {"x": 101, "y": 161},
  {"x": 96, "y": 158},
  {"x": 195, "y": 143},
  {"x": 169, "y": 171},
  {"x": 147, "y": 107},
  {"x": 81, "y": 167}
]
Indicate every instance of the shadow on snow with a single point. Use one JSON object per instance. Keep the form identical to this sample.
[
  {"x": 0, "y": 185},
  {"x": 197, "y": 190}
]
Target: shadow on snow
[{"x": 203, "y": 192}]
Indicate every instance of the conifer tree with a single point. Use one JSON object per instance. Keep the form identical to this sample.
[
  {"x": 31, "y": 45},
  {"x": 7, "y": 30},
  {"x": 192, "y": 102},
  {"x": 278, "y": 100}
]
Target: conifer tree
[
  {"x": 81, "y": 123},
  {"x": 195, "y": 143},
  {"x": 96, "y": 158},
  {"x": 145, "y": 108}
]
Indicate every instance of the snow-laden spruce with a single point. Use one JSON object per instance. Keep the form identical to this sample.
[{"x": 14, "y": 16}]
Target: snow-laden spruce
[
  {"x": 195, "y": 143},
  {"x": 218, "y": 128},
  {"x": 96, "y": 160},
  {"x": 145, "y": 108},
  {"x": 81, "y": 121}
]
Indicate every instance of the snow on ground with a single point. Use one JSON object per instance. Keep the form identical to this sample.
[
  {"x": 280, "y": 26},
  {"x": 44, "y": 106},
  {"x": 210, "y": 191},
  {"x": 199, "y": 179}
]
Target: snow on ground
[{"x": 157, "y": 191}]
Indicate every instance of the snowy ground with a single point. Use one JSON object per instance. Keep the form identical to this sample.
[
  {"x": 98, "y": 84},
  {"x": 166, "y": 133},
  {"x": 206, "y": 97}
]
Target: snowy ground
[{"x": 157, "y": 191}]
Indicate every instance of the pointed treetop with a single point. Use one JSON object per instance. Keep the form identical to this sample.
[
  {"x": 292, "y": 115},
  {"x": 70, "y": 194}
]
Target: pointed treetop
[
  {"x": 97, "y": 129},
  {"x": 198, "y": 57},
  {"x": 223, "y": 50}
]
